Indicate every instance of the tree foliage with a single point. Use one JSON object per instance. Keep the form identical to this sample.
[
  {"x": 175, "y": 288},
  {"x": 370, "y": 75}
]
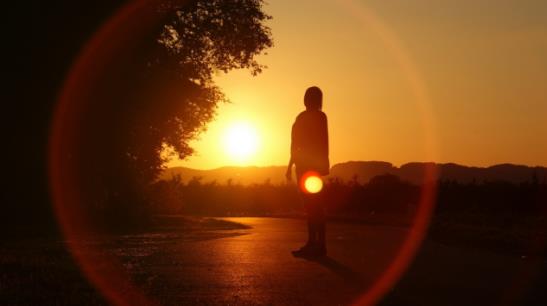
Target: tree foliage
[
  {"x": 159, "y": 94},
  {"x": 201, "y": 38}
]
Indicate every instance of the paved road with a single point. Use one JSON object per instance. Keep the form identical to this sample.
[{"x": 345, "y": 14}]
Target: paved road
[{"x": 254, "y": 266}]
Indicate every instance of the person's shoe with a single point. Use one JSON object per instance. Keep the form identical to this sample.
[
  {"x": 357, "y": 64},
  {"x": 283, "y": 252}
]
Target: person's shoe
[
  {"x": 320, "y": 251},
  {"x": 305, "y": 251},
  {"x": 310, "y": 251}
]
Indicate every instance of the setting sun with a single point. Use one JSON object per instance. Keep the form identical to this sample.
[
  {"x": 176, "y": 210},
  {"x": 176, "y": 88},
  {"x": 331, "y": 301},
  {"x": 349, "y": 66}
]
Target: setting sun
[{"x": 241, "y": 141}]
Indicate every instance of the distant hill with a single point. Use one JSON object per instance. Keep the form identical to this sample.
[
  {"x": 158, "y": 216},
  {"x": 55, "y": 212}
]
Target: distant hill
[
  {"x": 363, "y": 171},
  {"x": 414, "y": 172}
]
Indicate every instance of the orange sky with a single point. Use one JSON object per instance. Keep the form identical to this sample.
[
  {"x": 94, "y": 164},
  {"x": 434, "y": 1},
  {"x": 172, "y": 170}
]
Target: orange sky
[{"x": 446, "y": 81}]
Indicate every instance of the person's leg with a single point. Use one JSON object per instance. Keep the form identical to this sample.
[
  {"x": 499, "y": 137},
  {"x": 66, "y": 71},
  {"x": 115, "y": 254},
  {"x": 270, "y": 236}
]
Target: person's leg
[
  {"x": 312, "y": 226},
  {"x": 318, "y": 220},
  {"x": 307, "y": 249},
  {"x": 321, "y": 231},
  {"x": 315, "y": 214}
]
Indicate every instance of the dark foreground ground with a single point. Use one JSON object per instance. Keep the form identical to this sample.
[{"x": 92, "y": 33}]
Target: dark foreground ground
[{"x": 247, "y": 261}]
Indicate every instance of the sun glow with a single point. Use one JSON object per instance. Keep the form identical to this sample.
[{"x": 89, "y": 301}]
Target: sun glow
[{"x": 241, "y": 141}]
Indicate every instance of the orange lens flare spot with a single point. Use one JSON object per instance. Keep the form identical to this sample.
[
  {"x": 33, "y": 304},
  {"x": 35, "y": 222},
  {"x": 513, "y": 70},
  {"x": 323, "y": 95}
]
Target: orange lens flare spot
[{"x": 312, "y": 183}]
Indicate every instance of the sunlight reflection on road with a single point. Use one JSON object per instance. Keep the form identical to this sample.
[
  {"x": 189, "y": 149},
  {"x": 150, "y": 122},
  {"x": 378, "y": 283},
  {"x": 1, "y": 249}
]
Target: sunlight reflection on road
[{"x": 259, "y": 268}]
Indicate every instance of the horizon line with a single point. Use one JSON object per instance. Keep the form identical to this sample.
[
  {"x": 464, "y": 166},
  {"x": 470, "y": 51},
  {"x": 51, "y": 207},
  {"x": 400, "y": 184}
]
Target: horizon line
[{"x": 370, "y": 161}]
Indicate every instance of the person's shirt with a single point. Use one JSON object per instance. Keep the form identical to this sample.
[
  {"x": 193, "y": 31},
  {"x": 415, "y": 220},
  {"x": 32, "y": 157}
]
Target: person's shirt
[{"x": 310, "y": 142}]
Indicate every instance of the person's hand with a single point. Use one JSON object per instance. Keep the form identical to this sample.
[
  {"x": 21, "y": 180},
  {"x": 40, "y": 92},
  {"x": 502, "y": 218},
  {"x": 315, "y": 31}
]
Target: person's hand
[{"x": 288, "y": 175}]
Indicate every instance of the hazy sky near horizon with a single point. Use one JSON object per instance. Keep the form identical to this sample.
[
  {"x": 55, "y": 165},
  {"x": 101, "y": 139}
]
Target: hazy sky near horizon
[{"x": 424, "y": 80}]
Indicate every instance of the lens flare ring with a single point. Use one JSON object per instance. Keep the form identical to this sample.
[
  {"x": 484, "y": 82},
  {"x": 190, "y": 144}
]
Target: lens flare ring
[{"x": 136, "y": 16}]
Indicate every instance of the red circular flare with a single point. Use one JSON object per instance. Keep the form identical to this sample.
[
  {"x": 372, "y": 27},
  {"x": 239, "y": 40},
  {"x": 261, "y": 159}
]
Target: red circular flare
[{"x": 112, "y": 280}]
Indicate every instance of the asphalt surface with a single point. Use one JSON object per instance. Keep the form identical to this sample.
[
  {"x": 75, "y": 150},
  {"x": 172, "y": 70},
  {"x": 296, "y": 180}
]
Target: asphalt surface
[{"x": 254, "y": 266}]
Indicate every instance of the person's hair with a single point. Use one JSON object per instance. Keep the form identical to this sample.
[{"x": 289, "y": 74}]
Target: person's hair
[{"x": 313, "y": 98}]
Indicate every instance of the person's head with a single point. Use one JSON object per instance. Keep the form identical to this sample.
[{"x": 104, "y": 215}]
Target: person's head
[{"x": 313, "y": 98}]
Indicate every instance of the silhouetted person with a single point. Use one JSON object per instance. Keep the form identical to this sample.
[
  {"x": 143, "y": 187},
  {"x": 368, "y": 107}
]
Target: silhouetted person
[{"x": 310, "y": 153}]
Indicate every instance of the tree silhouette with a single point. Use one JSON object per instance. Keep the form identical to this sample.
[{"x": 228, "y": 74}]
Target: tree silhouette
[
  {"x": 203, "y": 37},
  {"x": 157, "y": 93}
]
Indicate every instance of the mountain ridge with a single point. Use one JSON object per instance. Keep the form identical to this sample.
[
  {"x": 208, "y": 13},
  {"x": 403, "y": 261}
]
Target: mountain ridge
[{"x": 363, "y": 171}]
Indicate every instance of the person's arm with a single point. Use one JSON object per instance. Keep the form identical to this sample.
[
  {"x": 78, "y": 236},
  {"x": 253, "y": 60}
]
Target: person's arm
[
  {"x": 288, "y": 174},
  {"x": 325, "y": 137},
  {"x": 326, "y": 132}
]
